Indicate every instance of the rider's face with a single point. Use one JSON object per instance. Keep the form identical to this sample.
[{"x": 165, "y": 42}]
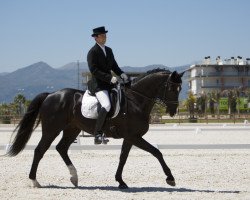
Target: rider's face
[{"x": 101, "y": 39}]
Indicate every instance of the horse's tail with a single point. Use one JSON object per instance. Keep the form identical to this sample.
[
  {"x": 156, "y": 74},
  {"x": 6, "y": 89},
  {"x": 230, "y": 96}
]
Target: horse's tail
[{"x": 26, "y": 126}]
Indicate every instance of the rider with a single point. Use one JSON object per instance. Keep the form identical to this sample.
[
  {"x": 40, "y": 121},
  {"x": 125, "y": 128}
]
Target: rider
[{"x": 101, "y": 62}]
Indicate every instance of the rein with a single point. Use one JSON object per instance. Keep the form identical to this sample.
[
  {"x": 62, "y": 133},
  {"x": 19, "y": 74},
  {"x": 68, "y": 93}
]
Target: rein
[
  {"x": 166, "y": 86},
  {"x": 142, "y": 95},
  {"x": 154, "y": 99}
]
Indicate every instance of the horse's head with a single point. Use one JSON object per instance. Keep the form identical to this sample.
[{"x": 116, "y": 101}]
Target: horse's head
[{"x": 169, "y": 92}]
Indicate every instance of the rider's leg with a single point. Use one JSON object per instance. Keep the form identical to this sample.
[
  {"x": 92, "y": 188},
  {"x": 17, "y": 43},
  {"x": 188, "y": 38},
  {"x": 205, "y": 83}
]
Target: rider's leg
[{"x": 103, "y": 98}]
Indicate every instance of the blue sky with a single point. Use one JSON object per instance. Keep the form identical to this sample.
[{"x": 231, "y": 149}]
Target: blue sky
[{"x": 141, "y": 32}]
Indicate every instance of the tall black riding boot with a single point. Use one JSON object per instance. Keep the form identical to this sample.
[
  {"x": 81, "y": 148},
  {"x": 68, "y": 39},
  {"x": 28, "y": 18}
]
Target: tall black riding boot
[{"x": 98, "y": 127}]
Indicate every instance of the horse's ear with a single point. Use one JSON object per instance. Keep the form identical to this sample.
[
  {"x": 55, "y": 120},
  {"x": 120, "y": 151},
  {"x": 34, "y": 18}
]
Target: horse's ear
[
  {"x": 173, "y": 74},
  {"x": 182, "y": 73}
]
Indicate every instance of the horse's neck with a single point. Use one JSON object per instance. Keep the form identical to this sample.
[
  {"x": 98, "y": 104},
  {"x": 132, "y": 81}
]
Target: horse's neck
[
  {"x": 146, "y": 91},
  {"x": 148, "y": 86}
]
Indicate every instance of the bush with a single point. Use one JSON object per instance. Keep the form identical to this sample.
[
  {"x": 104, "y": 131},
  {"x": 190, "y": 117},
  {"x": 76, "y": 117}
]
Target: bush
[{"x": 5, "y": 119}]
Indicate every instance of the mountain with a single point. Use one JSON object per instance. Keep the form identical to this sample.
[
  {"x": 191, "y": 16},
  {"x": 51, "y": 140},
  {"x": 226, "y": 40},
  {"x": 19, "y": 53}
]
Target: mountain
[
  {"x": 143, "y": 69},
  {"x": 3, "y": 73},
  {"x": 83, "y": 66},
  {"x": 40, "y": 77},
  {"x": 34, "y": 79}
]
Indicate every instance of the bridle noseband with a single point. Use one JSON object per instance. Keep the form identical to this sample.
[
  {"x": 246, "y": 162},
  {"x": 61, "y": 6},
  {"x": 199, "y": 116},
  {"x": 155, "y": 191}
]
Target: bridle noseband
[{"x": 167, "y": 86}]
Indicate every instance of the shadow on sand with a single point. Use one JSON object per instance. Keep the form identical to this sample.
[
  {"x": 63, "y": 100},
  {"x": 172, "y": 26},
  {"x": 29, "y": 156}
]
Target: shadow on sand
[{"x": 140, "y": 189}]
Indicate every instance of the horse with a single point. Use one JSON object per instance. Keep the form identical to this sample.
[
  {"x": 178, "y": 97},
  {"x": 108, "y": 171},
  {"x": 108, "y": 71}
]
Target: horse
[{"x": 57, "y": 112}]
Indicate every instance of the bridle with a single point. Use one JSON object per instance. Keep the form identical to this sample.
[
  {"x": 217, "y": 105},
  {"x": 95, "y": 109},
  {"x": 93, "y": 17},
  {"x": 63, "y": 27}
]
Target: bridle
[
  {"x": 142, "y": 95},
  {"x": 167, "y": 86}
]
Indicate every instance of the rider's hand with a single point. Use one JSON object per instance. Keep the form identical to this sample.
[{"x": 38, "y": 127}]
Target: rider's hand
[
  {"x": 113, "y": 80},
  {"x": 124, "y": 77}
]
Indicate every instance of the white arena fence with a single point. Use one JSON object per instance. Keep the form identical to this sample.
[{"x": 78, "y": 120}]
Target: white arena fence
[{"x": 183, "y": 128}]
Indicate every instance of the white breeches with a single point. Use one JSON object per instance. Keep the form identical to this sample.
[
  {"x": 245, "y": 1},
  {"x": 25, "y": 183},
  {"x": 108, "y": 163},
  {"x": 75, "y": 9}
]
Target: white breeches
[{"x": 103, "y": 98}]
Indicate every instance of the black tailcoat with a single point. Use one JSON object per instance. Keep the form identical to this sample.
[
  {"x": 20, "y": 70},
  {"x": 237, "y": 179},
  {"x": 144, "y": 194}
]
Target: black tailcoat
[{"x": 101, "y": 66}]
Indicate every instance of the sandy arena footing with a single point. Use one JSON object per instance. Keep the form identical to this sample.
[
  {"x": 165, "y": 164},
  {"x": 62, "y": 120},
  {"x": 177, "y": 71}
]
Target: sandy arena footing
[{"x": 199, "y": 173}]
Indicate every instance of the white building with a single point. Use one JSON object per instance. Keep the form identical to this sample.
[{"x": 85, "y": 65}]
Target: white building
[{"x": 220, "y": 75}]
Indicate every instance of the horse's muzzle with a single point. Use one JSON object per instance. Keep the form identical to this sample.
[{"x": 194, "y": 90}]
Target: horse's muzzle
[{"x": 171, "y": 112}]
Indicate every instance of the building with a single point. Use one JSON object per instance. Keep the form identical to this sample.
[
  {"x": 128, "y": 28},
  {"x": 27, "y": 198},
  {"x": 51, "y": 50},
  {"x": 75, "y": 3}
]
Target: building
[{"x": 219, "y": 76}]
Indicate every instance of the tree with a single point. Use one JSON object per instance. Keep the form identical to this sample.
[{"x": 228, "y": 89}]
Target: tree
[
  {"x": 212, "y": 101},
  {"x": 156, "y": 113},
  {"x": 19, "y": 103},
  {"x": 201, "y": 104},
  {"x": 218, "y": 95},
  {"x": 231, "y": 102},
  {"x": 19, "y": 99},
  {"x": 17, "y": 107},
  {"x": 190, "y": 104},
  {"x": 5, "y": 113}
]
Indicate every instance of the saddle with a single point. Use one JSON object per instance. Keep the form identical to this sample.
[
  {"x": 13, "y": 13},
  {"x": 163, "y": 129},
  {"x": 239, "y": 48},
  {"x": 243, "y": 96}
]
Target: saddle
[{"x": 90, "y": 106}]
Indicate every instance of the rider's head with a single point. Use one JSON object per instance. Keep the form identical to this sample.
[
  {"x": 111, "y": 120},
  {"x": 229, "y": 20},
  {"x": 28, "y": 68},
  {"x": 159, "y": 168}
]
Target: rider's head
[{"x": 99, "y": 34}]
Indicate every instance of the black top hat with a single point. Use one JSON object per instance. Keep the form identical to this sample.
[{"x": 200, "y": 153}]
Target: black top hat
[{"x": 99, "y": 30}]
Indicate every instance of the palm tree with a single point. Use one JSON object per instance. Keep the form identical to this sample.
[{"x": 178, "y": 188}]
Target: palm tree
[
  {"x": 231, "y": 102},
  {"x": 218, "y": 95},
  {"x": 19, "y": 98},
  {"x": 19, "y": 102},
  {"x": 201, "y": 104},
  {"x": 190, "y": 104}
]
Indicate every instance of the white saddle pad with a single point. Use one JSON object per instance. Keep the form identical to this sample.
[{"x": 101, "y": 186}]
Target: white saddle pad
[{"x": 90, "y": 105}]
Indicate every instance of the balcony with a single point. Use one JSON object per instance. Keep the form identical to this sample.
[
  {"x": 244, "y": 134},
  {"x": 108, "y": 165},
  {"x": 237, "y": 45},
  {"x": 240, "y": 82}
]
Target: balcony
[
  {"x": 221, "y": 86},
  {"x": 222, "y": 74}
]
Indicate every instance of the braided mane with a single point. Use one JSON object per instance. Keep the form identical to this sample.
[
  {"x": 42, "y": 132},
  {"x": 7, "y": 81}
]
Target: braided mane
[{"x": 150, "y": 72}]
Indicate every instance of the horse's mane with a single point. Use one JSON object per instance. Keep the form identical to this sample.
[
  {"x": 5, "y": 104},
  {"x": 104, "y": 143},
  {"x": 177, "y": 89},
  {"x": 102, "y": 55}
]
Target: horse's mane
[{"x": 148, "y": 73}]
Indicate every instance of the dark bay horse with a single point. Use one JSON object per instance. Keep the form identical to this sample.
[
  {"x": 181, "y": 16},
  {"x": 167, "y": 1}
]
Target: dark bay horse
[{"x": 57, "y": 112}]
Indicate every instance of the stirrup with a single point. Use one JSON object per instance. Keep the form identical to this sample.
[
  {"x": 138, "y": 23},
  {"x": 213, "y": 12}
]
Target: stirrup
[
  {"x": 104, "y": 139},
  {"x": 101, "y": 139}
]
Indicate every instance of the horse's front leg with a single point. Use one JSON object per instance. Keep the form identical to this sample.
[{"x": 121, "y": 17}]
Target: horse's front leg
[
  {"x": 123, "y": 158},
  {"x": 143, "y": 144}
]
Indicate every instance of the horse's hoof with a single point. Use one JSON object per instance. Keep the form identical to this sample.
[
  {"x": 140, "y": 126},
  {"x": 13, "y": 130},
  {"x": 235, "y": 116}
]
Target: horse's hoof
[
  {"x": 123, "y": 186},
  {"x": 170, "y": 182},
  {"x": 74, "y": 181},
  {"x": 35, "y": 184}
]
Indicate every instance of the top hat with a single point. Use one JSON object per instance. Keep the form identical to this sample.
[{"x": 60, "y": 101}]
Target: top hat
[{"x": 98, "y": 31}]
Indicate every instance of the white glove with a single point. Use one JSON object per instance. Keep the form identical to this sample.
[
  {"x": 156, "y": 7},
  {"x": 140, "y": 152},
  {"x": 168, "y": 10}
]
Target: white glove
[
  {"x": 113, "y": 80},
  {"x": 124, "y": 77}
]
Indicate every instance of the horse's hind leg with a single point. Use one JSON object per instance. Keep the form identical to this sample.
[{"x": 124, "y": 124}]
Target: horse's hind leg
[
  {"x": 40, "y": 150},
  {"x": 69, "y": 136}
]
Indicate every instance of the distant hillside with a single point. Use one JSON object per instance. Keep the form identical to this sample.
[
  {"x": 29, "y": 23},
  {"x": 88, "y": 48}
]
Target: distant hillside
[
  {"x": 40, "y": 77},
  {"x": 34, "y": 79},
  {"x": 83, "y": 66},
  {"x": 3, "y": 73}
]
